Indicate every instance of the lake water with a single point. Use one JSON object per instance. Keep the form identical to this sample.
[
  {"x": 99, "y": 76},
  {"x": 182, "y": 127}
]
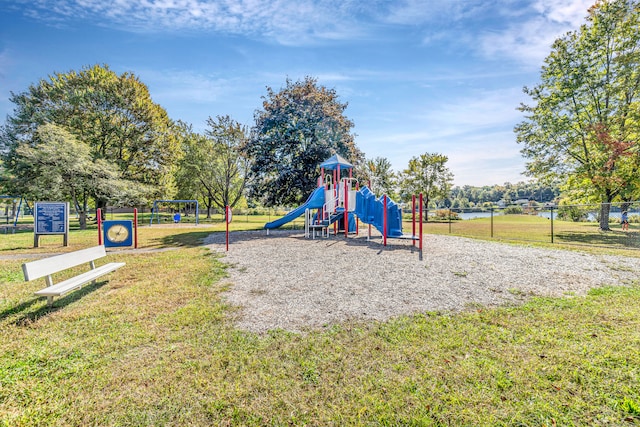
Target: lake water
[{"x": 543, "y": 214}]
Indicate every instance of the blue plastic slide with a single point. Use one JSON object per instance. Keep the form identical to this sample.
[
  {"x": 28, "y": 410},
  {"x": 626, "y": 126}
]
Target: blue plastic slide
[
  {"x": 315, "y": 201},
  {"x": 371, "y": 211}
]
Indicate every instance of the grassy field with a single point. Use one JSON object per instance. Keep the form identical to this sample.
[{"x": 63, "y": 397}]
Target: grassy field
[
  {"x": 155, "y": 345},
  {"x": 536, "y": 229}
]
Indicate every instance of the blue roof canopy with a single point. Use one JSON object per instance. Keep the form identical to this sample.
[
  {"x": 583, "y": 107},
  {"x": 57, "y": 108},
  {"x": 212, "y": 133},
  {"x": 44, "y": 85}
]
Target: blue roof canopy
[{"x": 334, "y": 161}]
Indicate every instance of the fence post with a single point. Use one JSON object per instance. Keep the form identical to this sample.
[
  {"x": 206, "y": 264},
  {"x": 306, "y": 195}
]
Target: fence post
[
  {"x": 491, "y": 221},
  {"x": 449, "y": 220},
  {"x": 551, "y": 224}
]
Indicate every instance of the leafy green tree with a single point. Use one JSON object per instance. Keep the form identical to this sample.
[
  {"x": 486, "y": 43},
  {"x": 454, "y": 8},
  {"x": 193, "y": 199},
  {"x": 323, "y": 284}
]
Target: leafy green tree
[
  {"x": 194, "y": 154},
  {"x": 54, "y": 165},
  {"x": 584, "y": 123},
  {"x": 297, "y": 129},
  {"x": 112, "y": 114},
  {"x": 429, "y": 175},
  {"x": 213, "y": 165},
  {"x": 383, "y": 179}
]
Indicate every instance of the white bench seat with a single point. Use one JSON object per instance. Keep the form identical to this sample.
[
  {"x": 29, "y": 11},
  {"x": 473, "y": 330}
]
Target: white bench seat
[
  {"x": 65, "y": 286},
  {"x": 48, "y": 266}
]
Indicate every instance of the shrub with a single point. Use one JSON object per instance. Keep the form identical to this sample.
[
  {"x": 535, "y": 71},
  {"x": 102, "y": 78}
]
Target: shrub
[
  {"x": 444, "y": 215},
  {"x": 572, "y": 213},
  {"x": 513, "y": 210}
]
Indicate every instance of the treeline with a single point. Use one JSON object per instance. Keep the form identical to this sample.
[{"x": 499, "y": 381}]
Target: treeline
[{"x": 469, "y": 196}]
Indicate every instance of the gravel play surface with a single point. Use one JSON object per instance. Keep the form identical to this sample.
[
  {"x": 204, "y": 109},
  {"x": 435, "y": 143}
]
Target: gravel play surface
[{"x": 288, "y": 282}]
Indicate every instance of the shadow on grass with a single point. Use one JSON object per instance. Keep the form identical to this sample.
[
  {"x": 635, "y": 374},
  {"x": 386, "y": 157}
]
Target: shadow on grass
[
  {"x": 614, "y": 239},
  {"x": 27, "y": 317},
  {"x": 191, "y": 239}
]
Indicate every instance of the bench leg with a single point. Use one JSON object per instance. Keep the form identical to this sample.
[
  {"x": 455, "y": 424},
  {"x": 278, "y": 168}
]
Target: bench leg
[{"x": 49, "y": 300}]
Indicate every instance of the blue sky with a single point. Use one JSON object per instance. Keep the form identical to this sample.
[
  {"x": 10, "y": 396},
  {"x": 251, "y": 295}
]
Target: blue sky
[{"x": 419, "y": 76}]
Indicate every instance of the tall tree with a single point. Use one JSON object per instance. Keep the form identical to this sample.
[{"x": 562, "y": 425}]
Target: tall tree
[
  {"x": 584, "y": 124},
  {"x": 112, "y": 114},
  {"x": 297, "y": 129},
  {"x": 382, "y": 178},
  {"x": 213, "y": 165},
  {"x": 54, "y": 165},
  {"x": 427, "y": 174}
]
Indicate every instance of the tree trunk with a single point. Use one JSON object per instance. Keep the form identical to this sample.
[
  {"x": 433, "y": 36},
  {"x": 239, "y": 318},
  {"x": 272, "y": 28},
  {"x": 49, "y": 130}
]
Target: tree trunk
[
  {"x": 605, "y": 208},
  {"x": 82, "y": 219}
]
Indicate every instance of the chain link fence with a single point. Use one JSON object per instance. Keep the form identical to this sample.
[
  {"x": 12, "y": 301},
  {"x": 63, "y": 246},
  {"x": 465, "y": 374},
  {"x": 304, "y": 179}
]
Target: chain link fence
[{"x": 566, "y": 224}]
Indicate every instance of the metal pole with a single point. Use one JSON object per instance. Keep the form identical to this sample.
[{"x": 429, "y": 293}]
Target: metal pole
[
  {"x": 413, "y": 219},
  {"x": 346, "y": 209},
  {"x": 420, "y": 225},
  {"x": 99, "y": 218},
  {"x": 491, "y": 222},
  {"x": 226, "y": 220},
  {"x": 135, "y": 226},
  {"x": 357, "y": 219},
  {"x": 384, "y": 222},
  {"x": 551, "y": 224}
]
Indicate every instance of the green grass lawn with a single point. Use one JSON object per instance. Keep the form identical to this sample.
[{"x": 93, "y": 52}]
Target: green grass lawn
[
  {"x": 536, "y": 229},
  {"x": 154, "y": 344}
]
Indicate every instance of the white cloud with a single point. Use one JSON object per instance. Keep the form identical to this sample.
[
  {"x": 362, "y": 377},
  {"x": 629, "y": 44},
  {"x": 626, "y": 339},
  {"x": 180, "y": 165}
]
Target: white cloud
[
  {"x": 293, "y": 22},
  {"x": 529, "y": 39}
]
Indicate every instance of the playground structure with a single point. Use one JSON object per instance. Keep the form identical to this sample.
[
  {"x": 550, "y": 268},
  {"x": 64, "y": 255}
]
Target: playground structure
[{"x": 338, "y": 202}]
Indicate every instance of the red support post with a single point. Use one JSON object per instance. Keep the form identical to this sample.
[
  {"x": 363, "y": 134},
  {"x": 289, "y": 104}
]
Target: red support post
[
  {"x": 346, "y": 209},
  {"x": 413, "y": 219},
  {"x": 226, "y": 220},
  {"x": 384, "y": 222},
  {"x": 99, "y": 218},
  {"x": 135, "y": 228},
  {"x": 420, "y": 223},
  {"x": 357, "y": 219}
]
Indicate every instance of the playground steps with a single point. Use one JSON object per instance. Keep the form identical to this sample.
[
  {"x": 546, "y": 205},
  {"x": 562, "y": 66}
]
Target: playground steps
[{"x": 332, "y": 218}]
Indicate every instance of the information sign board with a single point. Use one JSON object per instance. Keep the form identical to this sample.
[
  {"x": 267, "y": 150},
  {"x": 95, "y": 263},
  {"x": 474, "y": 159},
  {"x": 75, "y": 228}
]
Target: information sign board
[{"x": 50, "y": 218}]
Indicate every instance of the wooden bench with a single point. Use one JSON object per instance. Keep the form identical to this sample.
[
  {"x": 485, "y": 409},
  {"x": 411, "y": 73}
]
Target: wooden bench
[{"x": 48, "y": 266}]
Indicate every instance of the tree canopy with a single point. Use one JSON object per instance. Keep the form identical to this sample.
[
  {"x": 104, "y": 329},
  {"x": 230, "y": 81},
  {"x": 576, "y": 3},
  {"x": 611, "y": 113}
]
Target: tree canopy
[
  {"x": 298, "y": 127},
  {"x": 55, "y": 165},
  {"x": 382, "y": 179},
  {"x": 427, "y": 174},
  {"x": 113, "y": 115},
  {"x": 584, "y": 122},
  {"x": 213, "y": 167}
]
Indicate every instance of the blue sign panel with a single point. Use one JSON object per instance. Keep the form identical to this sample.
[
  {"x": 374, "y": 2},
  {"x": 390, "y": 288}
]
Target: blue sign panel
[
  {"x": 117, "y": 233},
  {"x": 51, "y": 217}
]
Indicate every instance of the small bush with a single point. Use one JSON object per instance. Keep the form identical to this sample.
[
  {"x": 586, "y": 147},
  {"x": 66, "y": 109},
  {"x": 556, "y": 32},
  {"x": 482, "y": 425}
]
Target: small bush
[
  {"x": 513, "y": 210},
  {"x": 444, "y": 215},
  {"x": 572, "y": 213}
]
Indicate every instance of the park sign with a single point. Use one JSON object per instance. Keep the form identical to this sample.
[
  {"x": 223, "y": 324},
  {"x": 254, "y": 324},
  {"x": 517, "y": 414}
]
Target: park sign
[{"x": 50, "y": 218}]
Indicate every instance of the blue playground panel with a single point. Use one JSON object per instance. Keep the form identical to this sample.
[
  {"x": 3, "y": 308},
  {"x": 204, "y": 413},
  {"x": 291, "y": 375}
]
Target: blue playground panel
[
  {"x": 352, "y": 222},
  {"x": 371, "y": 211}
]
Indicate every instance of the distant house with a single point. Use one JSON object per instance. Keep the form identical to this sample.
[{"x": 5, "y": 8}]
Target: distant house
[{"x": 523, "y": 203}]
